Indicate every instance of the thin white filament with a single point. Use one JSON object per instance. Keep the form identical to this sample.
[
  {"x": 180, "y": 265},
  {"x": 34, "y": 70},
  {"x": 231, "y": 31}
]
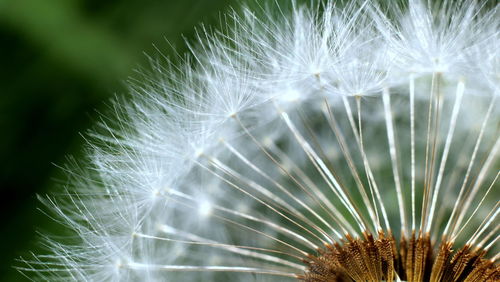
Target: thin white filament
[
  {"x": 271, "y": 224},
  {"x": 394, "y": 157},
  {"x": 485, "y": 224},
  {"x": 135, "y": 265},
  {"x": 449, "y": 138},
  {"x": 412, "y": 141},
  {"x": 284, "y": 190},
  {"x": 475, "y": 211},
  {"x": 325, "y": 172},
  {"x": 333, "y": 211},
  {"x": 280, "y": 187},
  {"x": 430, "y": 146},
  {"x": 242, "y": 250},
  {"x": 479, "y": 181},
  {"x": 367, "y": 165},
  {"x": 347, "y": 155},
  {"x": 231, "y": 184},
  {"x": 451, "y": 219}
]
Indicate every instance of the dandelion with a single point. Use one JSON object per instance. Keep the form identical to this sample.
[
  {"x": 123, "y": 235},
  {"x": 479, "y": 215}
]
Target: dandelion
[{"x": 320, "y": 143}]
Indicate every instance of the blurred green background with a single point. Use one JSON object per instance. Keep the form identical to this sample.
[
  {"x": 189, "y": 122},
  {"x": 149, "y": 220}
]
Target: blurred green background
[{"x": 60, "y": 62}]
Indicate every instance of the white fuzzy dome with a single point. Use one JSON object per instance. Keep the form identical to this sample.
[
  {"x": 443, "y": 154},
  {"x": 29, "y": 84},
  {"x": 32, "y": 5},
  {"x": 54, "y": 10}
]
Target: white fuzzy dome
[{"x": 286, "y": 133}]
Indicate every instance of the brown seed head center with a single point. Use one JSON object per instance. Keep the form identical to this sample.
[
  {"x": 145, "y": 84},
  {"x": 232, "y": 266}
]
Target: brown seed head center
[{"x": 377, "y": 259}]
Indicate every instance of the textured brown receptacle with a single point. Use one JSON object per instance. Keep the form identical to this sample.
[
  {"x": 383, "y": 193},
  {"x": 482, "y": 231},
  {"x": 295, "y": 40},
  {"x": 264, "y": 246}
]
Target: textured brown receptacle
[{"x": 378, "y": 259}]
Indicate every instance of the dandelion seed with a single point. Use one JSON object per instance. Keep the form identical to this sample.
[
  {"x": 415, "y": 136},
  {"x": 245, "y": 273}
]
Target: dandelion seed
[{"x": 320, "y": 144}]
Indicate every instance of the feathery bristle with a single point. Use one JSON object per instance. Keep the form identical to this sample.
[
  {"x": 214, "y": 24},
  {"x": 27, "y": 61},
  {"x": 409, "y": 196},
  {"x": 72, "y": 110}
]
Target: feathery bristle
[{"x": 319, "y": 143}]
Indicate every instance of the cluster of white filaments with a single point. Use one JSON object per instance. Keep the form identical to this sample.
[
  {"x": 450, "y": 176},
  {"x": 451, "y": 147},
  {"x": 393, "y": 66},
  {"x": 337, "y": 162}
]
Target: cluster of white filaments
[{"x": 286, "y": 133}]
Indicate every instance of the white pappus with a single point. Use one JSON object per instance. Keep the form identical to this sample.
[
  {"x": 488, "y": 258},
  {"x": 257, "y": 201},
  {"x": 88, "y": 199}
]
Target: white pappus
[{"x": 320, "y": 142}]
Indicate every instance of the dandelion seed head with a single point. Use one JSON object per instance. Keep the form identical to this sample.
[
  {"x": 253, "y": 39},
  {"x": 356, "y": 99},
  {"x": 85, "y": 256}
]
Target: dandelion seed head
[{"x": 318, "y": 143}]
